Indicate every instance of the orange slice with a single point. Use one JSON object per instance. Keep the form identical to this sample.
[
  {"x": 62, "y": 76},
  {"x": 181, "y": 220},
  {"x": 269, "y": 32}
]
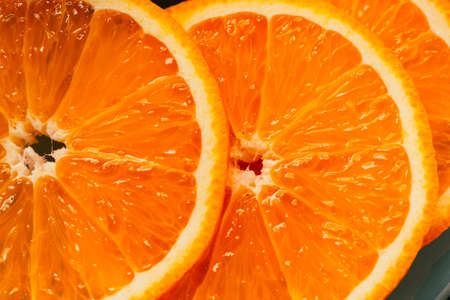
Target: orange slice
[
  {"x": 418, "y": 32},
  {"x": 332, "y": 173},
  {"x": 131, "y": 201}
]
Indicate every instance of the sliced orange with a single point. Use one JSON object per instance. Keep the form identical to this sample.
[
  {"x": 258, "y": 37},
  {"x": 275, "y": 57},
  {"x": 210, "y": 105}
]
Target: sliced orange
[
  {"x": 418, "y": 32},
  {"x": 132, "y": 200},
  {"x": 332, "y": 173}
]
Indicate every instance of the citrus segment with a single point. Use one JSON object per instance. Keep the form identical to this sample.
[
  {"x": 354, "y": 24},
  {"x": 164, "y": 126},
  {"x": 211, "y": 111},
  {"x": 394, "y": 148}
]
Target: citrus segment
[
  {"x": 122, "y": 197},
  {"x": 367, "y": 191},
  {"x": 234, "y": 47},
  {"x": 411, "y": 29},
  {"x": 243, "y": 237},
  {"x": 396, "y": 22},
  {"x": 298, "y": 44},
  {"x": 161, "y": 114},
  {"x": 318, "y": 256},
  {"x": 117, "y": 59},
  {"x": 16, "y": 219},
  {"x": 342, "y": 115},
  {"x": 55, "y": 34},
  {"x": 429, "y": 52},
  {"x": 71, "y": 256},
  {"x": 13, "y": 101}
]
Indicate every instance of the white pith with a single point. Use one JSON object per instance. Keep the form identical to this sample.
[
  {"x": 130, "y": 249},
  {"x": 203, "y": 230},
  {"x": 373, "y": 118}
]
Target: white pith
[
  {"x": 18, "y": 156},
  {"x": 397, "y": 89}
]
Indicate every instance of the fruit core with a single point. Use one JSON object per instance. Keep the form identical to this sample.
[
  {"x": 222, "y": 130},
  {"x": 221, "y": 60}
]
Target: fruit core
[
  {"x": 254, "y": 166},
  {"x": 45, "y": 147},
  {"x": 32, "y": 156},
  {"x": 251, "y": 162}
]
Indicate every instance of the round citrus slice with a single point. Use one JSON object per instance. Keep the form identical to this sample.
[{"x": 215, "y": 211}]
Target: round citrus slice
[
  {"x": 333, "y": 175},
  {"x": 418, "y": 32},
  {"x": 113, "y": 150}
]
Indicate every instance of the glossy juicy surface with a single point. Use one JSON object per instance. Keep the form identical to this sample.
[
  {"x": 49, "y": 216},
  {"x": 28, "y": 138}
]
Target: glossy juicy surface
[
  {"x": 335, "y": 181},
  {"x": 124, "y": 189}
]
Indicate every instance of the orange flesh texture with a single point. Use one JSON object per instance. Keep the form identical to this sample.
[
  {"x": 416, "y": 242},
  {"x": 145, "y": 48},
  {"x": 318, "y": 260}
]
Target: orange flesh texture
[
  {"x": 125, "y": 188},
  {"x": 84, "y": 261},
  {"x": 111, "y": 67},
  {"x": 340, "y": 177},
  {"x": 13, "y": 101},
  {"x": 55, "y": 35},
  {"x": 162, "y": 110},
  {"x": 123, "y": 196},
  {"x": 404, "y": 28},
  {"x": 236, "y": 46},
  {"x": 16, "y": 220},
  {"x": 243, "y": 238},
  {"x": 320, "y": 257}
]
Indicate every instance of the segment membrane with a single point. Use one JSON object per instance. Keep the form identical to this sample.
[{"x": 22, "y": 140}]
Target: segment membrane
[
  {"x": 55, "y": 34},
  {"x": 72, "y": 258},
  {"x": 156, "y": 123},
  {"x": 117, "y": 59},
  {"x": 235, "y": 49},
  {"x": 16, "y": 227},
  {"x": 243, "y": 263},
  {"x": 13, "y": 101},
  {"x": 302, "y": 57},
  {"x": 317, "y": 255},
  {"x": 142, "y": 207},
  {"x": 351, "y": 112},
  {"x": 367, "y": 191}
]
